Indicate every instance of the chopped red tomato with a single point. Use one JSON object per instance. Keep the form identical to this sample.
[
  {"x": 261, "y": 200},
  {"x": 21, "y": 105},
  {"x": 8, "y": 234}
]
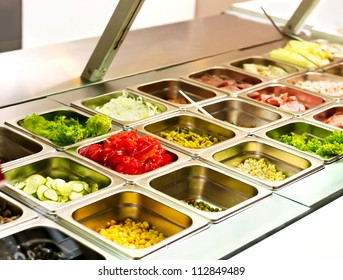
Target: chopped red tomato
[{"x": 128, "y": 153}]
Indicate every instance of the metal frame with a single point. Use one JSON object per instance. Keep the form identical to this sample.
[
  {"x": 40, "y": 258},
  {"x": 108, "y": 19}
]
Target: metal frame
[
  {"x": 111, "y": 39},
  {"x": 297, "y": 20}
]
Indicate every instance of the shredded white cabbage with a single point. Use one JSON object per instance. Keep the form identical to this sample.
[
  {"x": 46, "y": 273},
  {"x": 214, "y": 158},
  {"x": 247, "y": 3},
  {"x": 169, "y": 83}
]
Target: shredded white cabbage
[{"x": 128, "y": 108}]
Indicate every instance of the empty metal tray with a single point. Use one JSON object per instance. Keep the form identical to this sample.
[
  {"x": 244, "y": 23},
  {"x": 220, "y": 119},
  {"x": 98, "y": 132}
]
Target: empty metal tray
[
  {"x": 16, "y": 147},
  {"x": 168, "y": 90},
  {"x": 243, "y": 114}
]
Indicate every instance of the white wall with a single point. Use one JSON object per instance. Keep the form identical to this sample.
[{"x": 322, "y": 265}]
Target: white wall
[{"x": 54, "y": 21}]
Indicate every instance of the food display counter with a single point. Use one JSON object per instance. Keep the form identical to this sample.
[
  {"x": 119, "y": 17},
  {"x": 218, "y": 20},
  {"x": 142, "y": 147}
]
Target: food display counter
[{"x": 156, "y": 66}]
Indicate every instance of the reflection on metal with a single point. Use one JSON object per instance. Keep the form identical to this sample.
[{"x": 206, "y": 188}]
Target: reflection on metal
[
  {"x": 299, "y": 17},
  {"x": 111, "y": 39}
]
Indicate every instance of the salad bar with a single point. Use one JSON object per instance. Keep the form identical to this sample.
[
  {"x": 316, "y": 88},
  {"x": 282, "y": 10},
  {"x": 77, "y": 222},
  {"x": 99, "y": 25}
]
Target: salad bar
[{"x": 198, "y": 160}]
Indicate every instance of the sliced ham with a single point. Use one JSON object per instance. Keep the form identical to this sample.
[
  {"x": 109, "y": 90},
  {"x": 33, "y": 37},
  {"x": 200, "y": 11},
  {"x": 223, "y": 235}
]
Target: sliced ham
[{"x": 335, "y": 120}]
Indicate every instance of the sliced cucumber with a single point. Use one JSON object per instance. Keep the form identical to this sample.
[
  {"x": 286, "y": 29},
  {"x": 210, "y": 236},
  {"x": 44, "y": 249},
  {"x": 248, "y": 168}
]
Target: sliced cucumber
[
  {"x": 75, "y": 195},
  {"x": 57, "y": 182},
  {"x": 20, "y": 185},
  {"x": 49, "y": 181},
  {"x": 40, "y": 192},
  {"x": 95, "y": 187},
  {"x": 79, "y": 186},
  {"x": 64, "y": 188},
  {"x": 87, "y": 187},
  {"x": 51, "y": 194},
  {"x": 32, "y": 183},
  {"x": 55, "y": 189}
]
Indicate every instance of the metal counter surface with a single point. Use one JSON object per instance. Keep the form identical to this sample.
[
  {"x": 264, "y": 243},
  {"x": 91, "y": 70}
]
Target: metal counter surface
[
  {"x": 51, "y": 69},
  {"x": 316, "y": 237},
  {"x": 233, "y": 235}
]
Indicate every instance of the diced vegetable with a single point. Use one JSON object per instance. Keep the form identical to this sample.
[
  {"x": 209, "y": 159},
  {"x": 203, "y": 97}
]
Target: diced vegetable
[{"x": 128, "y": 153}]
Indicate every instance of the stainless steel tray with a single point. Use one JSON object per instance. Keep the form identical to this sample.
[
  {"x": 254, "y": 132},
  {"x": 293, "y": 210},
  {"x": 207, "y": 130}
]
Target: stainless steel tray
[
  {"x": 176, "y": 158},
  {"x": 288, "y": 161},
  {"x": 280, "y": 91},
  {"x": 300, "y": 126},
  {"x": 329, "y": 115},
  {"x": 318, "y": 83},
  {"x": 56, "y": 165},
  {"x": 89, "y": 105},
  {"x": 227, "y": 77},
  {"x": 200, "y": 125},
  {"x": 23, "y": 212},
  {"x": 50, "y": 115},
  {"x": 43, "y": 239},
  {"x": 16, "y": 147},
  {"x": 134, "y": 202},
  {"x": 266, "y": 62},
  {"x": 168, "y": 90},
  {"x": 242, "y": 114},
  {"x": 200, "y": 182}
]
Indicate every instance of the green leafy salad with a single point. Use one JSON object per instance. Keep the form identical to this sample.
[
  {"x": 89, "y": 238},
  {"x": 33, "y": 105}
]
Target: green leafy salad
[
  {"x": 331, "y": 145},
  {"x": 65, "y": 131}
]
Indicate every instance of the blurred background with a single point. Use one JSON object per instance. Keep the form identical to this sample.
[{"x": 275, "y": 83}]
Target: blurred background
[{"x": 33, "y": 23}]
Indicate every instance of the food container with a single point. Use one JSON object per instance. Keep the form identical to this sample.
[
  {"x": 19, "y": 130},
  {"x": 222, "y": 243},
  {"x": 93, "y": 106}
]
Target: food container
[
  {"x": 303, "y": 127},
  {"x": 331, "y": 115},
  {"x": 320, "y": 83},
  {"x": 197, "y": 182},
  {"x": 17, "y": 147},
  {"x": 63, "y": 111},
  {"x": 285, "y": 98},
  {"x": 138, "y": 204},
  {"x": 168, "y": 90},
  {"x": 335, "y": 69},
  {"x": 89, "y": 105},
  {"x": 243, "y": 114},
  {"x": 265, "y": 63},
  {"x": 292, "y": 164},
  {"x": 13, "y": 213},
  {"x": 42, "y": 239},
  {"x": 190, "y": 128},
  {"x": 334, "y": 48},
  {"x": 58, "y": 165},
  {"x": 176, "y": 157},
  {"x": 224, "y": 79}
]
